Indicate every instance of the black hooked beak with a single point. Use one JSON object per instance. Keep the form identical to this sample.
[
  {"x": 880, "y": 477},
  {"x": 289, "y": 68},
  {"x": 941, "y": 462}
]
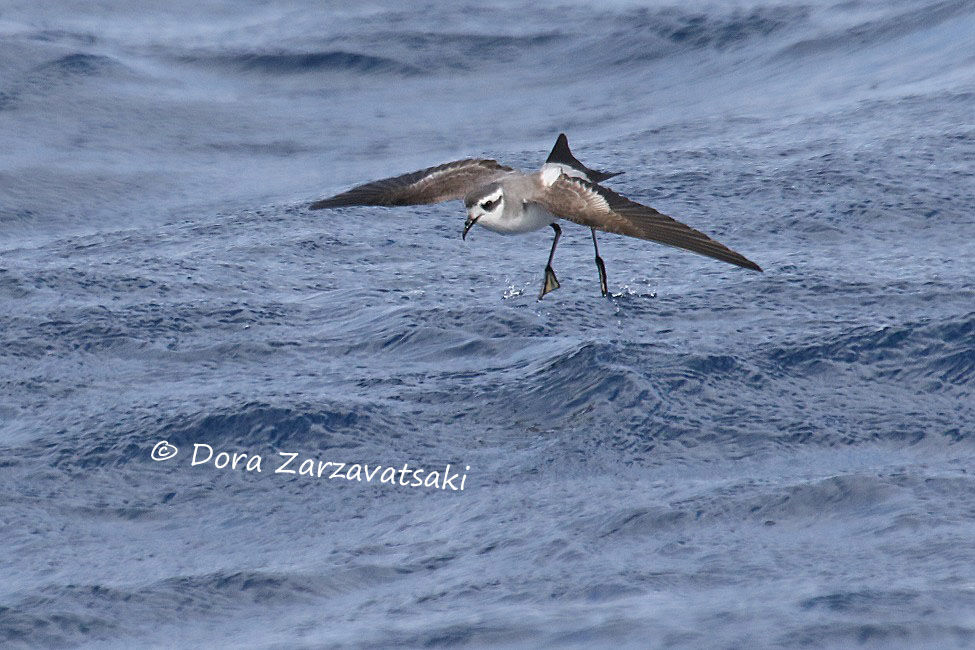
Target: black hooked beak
[{"x": 467, "y": 225}]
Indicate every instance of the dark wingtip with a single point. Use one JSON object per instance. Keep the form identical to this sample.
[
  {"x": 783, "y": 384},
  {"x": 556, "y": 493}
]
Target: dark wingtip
[{"x": 751, "y": 265}]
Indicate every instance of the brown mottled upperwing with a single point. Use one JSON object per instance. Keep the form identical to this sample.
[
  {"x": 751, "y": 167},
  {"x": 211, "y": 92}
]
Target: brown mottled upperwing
[
  {"x": 432, "y": 185},
  {"x": 595, "y": 206}
]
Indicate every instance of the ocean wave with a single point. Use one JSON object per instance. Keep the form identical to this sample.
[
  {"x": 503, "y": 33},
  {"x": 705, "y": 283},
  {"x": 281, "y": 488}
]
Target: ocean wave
[
  {"x": 258, "y": 427},
  {"x": 255, "y": 424},
  {"x": 647, "y": 34},
  {"x": 66, "y": 614},
  {"x": 80, "y": 64},
  {"x": 757, "y": 505},
  {"x": 577, "y": 381},
  {"x": 48, "y": 78},
  {"x": 291, "y": 63},
  {"x": 619, "y": 39},
  {"x": 881, "y": 30},
  {"x": 24, "y": 627},
  {"x": 942, "y": 354},
  {"x": 485, "y": 45},
  {"x": 860, "y": 601},
  {"x": 880, "y": 634},
  {"x": 450, "y": 52},
  {"x": 612, "y": 38},
  {"x": 145, "y": 325}
]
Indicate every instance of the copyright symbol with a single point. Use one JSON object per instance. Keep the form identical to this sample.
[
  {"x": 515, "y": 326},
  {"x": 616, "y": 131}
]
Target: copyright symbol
[{"x": 163, "y": 451}]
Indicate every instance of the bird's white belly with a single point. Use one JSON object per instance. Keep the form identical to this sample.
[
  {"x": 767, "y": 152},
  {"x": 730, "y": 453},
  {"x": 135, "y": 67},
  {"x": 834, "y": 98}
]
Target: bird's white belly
[{"x": 530, "y": 217}]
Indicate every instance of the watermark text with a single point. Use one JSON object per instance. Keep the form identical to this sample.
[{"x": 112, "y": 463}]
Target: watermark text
[{"x": 298, "y": 465}]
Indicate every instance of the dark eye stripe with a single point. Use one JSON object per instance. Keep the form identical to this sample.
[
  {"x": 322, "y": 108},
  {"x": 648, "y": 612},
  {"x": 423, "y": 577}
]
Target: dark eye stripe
[{"x": 489, "y": 205}]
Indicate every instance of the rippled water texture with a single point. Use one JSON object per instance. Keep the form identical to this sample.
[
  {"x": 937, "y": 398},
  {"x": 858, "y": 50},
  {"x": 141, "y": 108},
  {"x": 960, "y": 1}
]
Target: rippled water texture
[{"x": 708, "y": 458}]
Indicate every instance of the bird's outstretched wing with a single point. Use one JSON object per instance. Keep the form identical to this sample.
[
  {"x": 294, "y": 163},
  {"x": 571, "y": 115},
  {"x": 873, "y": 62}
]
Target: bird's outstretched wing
[
  {"x": 595, "y": 206},
  {"x": 445, "y": 182}
]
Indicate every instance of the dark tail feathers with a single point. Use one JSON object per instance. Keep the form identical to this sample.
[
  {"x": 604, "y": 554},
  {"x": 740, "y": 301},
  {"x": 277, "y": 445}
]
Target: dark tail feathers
[{"x": 563, "y": 156}]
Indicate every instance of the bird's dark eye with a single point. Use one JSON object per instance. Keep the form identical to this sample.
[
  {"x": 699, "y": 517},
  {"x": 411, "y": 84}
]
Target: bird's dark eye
[{"x": 489, "y": 205}]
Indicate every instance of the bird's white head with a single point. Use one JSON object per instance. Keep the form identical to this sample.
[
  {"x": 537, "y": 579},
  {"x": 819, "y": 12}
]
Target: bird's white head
[{"x": 487, "y": 203}]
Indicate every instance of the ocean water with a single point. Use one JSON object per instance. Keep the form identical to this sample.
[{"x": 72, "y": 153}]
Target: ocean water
[{"x": 709, "y": 457}]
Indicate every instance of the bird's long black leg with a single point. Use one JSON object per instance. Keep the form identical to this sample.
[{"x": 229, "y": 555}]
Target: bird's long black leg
[
  {"x": 600, "y": 265},
  {"x": 551, "y": 282}
]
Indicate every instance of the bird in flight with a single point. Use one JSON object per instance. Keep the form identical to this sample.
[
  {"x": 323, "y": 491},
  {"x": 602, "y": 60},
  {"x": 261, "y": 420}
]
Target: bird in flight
[{"x": 507, "y": 201}]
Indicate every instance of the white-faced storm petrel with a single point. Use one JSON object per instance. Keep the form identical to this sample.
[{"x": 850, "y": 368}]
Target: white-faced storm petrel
[{"x": 508, "y": 201}]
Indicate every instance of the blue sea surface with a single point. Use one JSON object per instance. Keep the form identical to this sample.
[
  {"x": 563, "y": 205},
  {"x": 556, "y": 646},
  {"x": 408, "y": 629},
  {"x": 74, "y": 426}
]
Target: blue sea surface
[{"x": 709, "y": 457}]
